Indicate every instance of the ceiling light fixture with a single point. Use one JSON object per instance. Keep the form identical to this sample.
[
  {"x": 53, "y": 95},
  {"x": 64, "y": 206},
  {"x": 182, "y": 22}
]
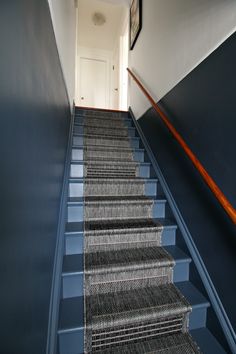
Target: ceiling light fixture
[{"x": 98, "y": 19}]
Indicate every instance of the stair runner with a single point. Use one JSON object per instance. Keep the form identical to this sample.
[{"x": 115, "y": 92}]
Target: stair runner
[{"x": 131, "y": 303}]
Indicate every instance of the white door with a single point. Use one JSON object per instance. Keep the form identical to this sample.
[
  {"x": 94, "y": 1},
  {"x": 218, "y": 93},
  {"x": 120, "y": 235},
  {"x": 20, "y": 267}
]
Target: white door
[{"x": 93, "y": 83}]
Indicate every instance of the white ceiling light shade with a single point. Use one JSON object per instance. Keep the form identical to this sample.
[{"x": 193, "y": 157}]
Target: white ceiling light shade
[{"x": 98, "y": 19}]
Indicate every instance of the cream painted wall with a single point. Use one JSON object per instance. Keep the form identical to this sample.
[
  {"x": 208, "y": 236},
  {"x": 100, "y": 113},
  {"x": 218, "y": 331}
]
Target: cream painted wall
[
  {"x": 63, "y": 15},
  {"x": 176, "y": 36}
]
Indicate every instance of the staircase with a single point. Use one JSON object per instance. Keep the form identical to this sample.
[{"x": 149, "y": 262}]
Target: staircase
[{"x": 125, "y": 283}]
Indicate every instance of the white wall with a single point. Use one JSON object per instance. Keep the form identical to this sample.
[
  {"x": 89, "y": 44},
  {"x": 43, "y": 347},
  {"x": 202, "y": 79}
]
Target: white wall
[
  {"x": 176, "y": 36},
  {"x": 63, "y": 14}
]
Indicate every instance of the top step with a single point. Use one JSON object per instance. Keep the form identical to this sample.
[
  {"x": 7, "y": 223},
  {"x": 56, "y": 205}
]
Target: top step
[{"x": 84, "y": 111}]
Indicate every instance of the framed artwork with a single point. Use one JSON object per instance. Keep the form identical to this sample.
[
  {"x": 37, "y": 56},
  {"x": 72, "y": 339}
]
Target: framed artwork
[{"x": 135, "y": 21}]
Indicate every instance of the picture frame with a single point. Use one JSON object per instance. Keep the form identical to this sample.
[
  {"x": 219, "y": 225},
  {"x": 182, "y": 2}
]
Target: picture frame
[{"x": 135, "y": 21}]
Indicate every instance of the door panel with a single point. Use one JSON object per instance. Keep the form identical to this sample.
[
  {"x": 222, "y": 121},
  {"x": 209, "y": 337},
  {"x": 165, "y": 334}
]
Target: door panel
[{"x": 93, "y": 83}]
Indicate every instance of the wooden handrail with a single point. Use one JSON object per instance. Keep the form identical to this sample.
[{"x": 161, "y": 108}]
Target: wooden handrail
[{"x": 229, "y": 209}]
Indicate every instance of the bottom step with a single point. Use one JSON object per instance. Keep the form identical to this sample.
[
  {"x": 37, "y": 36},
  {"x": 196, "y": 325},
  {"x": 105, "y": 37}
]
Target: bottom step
[{"x": 173, "y": 344}]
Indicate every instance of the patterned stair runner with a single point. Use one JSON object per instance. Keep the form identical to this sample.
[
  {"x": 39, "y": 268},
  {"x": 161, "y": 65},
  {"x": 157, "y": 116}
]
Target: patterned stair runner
[{"x": 131, "y": 303}]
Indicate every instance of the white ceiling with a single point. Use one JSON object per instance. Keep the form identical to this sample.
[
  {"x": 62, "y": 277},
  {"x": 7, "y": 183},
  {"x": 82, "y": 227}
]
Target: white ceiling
[{"x": 102, "y": 37}]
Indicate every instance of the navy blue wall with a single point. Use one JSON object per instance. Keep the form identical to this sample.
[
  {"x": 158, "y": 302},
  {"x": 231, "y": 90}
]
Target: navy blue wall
[
  {"x": 34, "y": 125},
  {"x": 202, "y": 108}
]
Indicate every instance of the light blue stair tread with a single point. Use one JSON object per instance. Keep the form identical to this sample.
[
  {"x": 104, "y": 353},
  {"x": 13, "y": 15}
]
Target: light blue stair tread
[
  {"x": 71, "y": 314},
  {"x": 193, "y": 295},
  {"x": 178, "y": 255},
  {"x": 73, "y": 264},
  {"x": 206, "y": 341},
  {"x": 165, "y": 222}
]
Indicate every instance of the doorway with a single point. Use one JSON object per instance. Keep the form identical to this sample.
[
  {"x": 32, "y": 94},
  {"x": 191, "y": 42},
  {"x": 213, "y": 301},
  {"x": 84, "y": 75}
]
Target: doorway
[{"x": 93, "y": 90}]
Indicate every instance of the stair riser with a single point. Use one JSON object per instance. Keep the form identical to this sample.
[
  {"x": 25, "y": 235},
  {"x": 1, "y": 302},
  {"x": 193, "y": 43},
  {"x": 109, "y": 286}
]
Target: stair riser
[
  {"x": 72, "y": 285},
  {"x": 74, "y": 242},
  {"x": 128, "y": 132},
  {"x": 148, "y": 188},
  {"x": 127, "y": 280},
  {"x": 77, "y": 170},
  {"x": 71, "y": 342},
  {"x": 78, "y": 213},
  {"x": 131, "y": 142},
  {"x": 105, "y": 338},
  {"x": 124, "y": 122},
  {"x": 81, "y": 155}
]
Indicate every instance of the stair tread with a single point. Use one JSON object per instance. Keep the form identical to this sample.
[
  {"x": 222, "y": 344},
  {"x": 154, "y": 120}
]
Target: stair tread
[
  {"x": 178, "y": 255},
  {"x": 156, "y": 302},
  {"x": 178, "y": 343},
  {"x": 206, "y": 341},
  {"x": 192, "y": 294},
  {"x": 128, "y": 259}
]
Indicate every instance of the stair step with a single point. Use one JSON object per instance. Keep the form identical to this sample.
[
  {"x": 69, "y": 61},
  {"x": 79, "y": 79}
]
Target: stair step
[
  {"x": 136, "y": 233},
  {"x": 103, "y": 121},
  {"x": 103, "y": 154},
  {"x": 206, "y": 341},
  {"x": 101, "y": 113},
  {"x": 104, "y": 131},
  {"x": 86, "y": 140},
  {"x": 103, "y": 208},
  {"x": 105, "y": 271},
  {"x": 113, "y": 208},
  {"x": 198, "y": 316},
  {"x": 111, "y": 235},
  {"x": 112, "y": 186},
  {"x": 178, "y": 343},
  {"x": 127, "y": 269},
  {"x": 134, "y": 315}
]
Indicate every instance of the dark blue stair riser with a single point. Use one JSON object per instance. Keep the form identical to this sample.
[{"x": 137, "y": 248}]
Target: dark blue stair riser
[
  {"x": 77, "y": 170},
  {"x": 76, "y": 188},
  {"x": 74, "y": 242},
  {"x": 69, "y": 340},
  {"x": 72, "y": 283},
  {"x": 77, "y": 155},
  {"x": 79, "y": 129},
  {"x": 79, "y": 141}
]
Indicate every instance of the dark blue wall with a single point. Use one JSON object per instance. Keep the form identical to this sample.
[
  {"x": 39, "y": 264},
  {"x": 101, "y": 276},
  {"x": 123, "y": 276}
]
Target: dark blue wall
[
  {"x": 202, "y": 108},
  {"x": 34, "y": 125}
]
